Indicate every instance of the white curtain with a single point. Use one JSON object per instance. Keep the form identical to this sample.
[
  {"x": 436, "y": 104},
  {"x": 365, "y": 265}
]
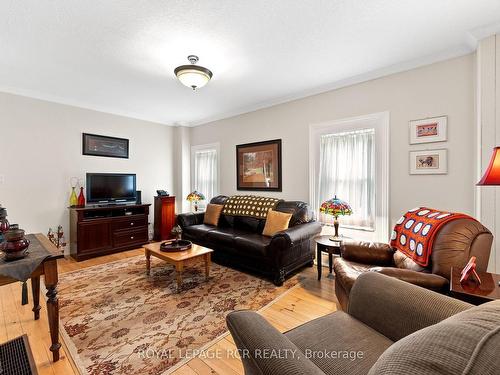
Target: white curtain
[
  {"x": 347, "y": 169},
  {"x": 205, "y": 173}
]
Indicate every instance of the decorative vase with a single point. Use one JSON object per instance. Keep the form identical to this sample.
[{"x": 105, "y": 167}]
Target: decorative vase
[
  {"x": 81, "y": 198},
  {"x": 15, "y": 244},
  {"x": 73, "y": 200}
]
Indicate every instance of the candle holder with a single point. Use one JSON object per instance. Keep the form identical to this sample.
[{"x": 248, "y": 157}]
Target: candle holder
[{"x": 57, "y": 238}]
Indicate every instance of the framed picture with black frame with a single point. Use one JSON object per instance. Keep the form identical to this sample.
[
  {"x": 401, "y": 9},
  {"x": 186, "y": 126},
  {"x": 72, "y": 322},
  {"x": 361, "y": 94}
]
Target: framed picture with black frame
[
  {"x": 101, "y": 145},
  {"x": 258, "y": 166}
]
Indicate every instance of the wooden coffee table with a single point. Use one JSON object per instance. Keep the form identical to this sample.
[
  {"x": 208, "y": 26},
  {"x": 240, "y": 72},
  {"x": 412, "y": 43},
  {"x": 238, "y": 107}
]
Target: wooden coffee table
[{"x": 178, "y": 258}]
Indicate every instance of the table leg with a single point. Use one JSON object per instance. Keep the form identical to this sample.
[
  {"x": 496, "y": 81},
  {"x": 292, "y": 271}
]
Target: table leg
[
  {"x": 179, "y": 266},
  {"x": 148, "y": 261},
  {"x": 318, "y": 260},
  {"x": 330, "y": 260},
  {"x": 51, "y": 280},
  {"x": 35, "y": 289},
  {"x": 207, "y": 265}
]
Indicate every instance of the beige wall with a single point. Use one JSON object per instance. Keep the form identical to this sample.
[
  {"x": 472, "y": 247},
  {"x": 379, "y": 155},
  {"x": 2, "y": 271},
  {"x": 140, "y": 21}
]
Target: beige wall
[
  {"x": 41, "y": 149},
  {"x": 445, "y": 88}
]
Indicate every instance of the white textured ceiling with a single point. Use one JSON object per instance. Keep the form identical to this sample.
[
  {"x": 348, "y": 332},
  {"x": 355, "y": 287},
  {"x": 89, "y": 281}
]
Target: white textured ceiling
[{"x": 118, "y": 56}]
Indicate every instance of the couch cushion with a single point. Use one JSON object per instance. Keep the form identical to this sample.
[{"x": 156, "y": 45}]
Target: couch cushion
[
  {"x": 199, "y": 231},
  {"x": 301, "y": 211},
  {"x": 248, "y": 224},
  {"x": 466, "y": 343},
  {"x": 252, "y": 244},
  {"x": 403, "y": 261},
  {"x": 212, "y": 214},
  {"x": 224, "y": 236},
  {"x": 276, "y": 222},
  {"x": 346, "y": 272},
  {"x": 340, "y": 333},
  {"x": 219, "y": 199}
]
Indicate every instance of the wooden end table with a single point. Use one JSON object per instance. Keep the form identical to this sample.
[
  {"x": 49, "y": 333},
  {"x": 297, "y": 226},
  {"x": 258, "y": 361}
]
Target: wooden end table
[
  {"x": 47, "y": 269},
  {"x": 325, "y": 245},
  {"x": 178, "y": 258},
  {"x": 472, "y": 292}
]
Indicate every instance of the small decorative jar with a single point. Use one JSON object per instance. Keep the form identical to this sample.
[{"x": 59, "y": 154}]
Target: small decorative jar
[{"x": 15, "y": 244}]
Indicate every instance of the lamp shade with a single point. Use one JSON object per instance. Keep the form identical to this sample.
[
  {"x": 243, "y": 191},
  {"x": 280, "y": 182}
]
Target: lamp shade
[
  {"x": 193, "y": 76},
  {"x": 195, "y": 196},
  {"x": 492, "y": 174},
  {"x": 335, "y": 207}
]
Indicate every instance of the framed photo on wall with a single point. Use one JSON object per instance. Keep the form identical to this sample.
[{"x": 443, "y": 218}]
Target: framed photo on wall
[
  {"x": 429, "y": 162},
  {"x": 258, "y": 166},
  {"x": 101, "y": 145},
  {"x": 428, "y": 130}
]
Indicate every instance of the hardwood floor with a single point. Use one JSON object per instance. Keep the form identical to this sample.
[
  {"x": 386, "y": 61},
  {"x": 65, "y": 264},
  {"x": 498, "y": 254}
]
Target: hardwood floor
[{"x": 311, "y": 299}]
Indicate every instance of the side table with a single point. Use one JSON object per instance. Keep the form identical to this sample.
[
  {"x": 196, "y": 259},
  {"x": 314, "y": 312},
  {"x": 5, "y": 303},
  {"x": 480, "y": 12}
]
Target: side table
[
  {"x": 325, "y": 245},
  {"x": 472, "y": 292}
]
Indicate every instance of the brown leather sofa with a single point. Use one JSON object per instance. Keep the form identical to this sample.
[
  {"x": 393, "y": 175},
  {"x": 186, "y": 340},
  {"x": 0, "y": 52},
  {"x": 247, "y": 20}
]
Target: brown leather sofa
[
  {"x": 237, "y": 241},
  {"x": 455, "y": 243}
]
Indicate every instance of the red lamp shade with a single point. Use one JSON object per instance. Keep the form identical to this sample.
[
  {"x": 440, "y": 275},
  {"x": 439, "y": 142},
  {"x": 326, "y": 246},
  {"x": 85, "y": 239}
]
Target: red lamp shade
[{"x": 492, "y": 174}]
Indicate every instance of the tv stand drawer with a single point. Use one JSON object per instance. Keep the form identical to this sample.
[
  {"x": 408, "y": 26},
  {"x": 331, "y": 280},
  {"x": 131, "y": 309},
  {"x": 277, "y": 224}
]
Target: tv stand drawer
[
  {"x": 130, "y": 223},
  {"x": 129, "y": 237}
]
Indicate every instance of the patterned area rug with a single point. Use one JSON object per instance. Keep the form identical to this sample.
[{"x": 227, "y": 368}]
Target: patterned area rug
[{"x": 118, "y": 320}]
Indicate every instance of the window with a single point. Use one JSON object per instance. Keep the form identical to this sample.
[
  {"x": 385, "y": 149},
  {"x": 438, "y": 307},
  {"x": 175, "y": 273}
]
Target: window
[
  {"x": 205, "y": 167},
  {"x": 347, "y": 169},
  {"x": 350, "y": 158}
]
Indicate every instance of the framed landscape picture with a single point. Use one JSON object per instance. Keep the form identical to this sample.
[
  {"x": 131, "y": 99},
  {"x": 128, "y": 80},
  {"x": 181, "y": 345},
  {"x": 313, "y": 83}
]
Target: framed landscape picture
[
  {"x": 101, "y": 145},
  {"x": 429, "y": 162},
  {"x": 428, "y": 130},
  {"x": 258, "y": 166}
]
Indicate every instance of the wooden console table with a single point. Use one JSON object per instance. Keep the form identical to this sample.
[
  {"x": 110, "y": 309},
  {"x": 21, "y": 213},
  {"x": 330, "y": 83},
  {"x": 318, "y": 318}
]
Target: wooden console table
[
  {"x": 48, "y": 269},
  {"x": 96, "y": 231}
]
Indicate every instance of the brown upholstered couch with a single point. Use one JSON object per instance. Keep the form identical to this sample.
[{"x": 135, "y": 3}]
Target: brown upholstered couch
[
  {"x": 455, "y": 243},
  {"x": 391, "y": 328},
  {"x": 238, "y": 241}
]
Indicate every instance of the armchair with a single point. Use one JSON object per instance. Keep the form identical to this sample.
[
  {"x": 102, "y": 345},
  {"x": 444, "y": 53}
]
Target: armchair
[
  {"x": 397, "y": 327},
  {"x": 455, "y": 243}
]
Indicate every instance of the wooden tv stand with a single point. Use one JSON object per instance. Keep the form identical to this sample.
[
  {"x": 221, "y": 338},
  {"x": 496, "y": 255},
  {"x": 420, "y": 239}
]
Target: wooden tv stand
[{"x": 96, "y": 231}]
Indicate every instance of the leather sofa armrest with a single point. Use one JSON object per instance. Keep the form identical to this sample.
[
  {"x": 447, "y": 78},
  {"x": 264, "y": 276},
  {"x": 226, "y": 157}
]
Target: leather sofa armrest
[
  {"x": 396, "y": 308},
  {"x": 255, "y": 337},
  {"x": 298, "y": 233},
  {"x": 188, "y": 219},
  {"x": 377, "y": 253},
  {"x": 425, "y": 280}
]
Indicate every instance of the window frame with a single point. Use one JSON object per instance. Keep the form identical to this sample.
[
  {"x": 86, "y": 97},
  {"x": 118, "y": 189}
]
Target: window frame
[
  {"x": 204, "y": 147},
  {"x": 379, "y": 122}
]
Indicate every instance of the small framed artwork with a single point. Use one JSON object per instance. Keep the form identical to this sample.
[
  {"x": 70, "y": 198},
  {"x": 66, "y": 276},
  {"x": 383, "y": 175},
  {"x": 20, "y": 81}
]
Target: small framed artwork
[
  {"x": 428, "y": 130},
  {"x": 429, "y": 162},
  {"x": 101, "y": 145},
  {"x": 258, "y": 166}
]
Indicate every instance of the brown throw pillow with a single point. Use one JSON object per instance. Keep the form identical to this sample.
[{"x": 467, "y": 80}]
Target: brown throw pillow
[
  {"x": 212, "y": 214},
  {"x": 276, "y": 221}
]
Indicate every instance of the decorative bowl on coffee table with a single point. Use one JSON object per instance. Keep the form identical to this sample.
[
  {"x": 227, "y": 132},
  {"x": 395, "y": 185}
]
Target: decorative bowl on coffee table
[{"x": 175, "y": 245}]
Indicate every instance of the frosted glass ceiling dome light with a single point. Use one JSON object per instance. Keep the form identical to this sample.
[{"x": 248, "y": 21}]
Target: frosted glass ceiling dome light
[{"x": 193, "y": 75}]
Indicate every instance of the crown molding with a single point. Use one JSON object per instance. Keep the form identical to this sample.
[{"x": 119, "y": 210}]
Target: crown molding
[
  {"x": 365, "y": 77},
  {"x": 469, "y": 45},
  {"x": 80, "y": 104}
]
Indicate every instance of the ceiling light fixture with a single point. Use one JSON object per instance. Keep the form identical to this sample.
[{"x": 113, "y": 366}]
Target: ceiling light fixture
[{"x": 193, "y": 76}]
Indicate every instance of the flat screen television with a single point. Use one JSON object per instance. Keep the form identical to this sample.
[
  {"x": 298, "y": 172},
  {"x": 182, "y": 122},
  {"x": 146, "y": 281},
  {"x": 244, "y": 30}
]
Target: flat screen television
[{"x": 111, "y": 187}]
